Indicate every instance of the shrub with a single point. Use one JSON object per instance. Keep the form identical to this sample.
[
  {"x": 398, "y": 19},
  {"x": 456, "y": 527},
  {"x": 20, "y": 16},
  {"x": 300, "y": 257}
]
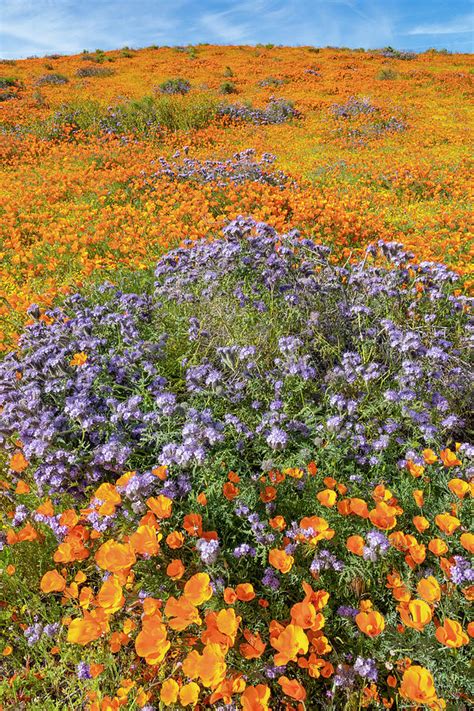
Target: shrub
[
  {"x": 276, "y": 111},
  {"x": 392, "y": 53},
  {"x": 228, "y": 72},
  {"x": 228, "y": 87},
  {"x": 242, "y": 167},
  {"x": 99, "y": 57},
  {"x": 7, "y": 95},
  {"x": 52, "y": 79},
  {"x": 354, "y": 107},
  {"x": 271, "y": 81},
  {"x": 7, "y": 82},
  {"x": 175, "y": 86},
  {"x": 387, "y": 74},
  {"x": 147, "y": 117},
  {"x": 94, "y": 72}
]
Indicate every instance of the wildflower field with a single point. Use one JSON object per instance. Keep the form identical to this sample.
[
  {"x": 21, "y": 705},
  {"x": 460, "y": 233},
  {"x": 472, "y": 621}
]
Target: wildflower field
[{"x": 236, "y": 383}]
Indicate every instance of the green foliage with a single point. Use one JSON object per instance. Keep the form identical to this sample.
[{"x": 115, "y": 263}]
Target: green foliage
[
  {"x": 387, "y": 74},
  {"x": 149, "y": 116},
  {"x": 228, "y": 87}
]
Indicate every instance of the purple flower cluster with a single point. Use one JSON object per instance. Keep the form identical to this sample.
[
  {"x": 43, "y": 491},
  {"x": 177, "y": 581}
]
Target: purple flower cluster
[
  {"x": 255, "y": 344},
  {"x": 276, "y": 111},
  {"x": 241, "y": 168},
  {"x": 36, "y": 631},
  {"x": 353, "y": 107}
]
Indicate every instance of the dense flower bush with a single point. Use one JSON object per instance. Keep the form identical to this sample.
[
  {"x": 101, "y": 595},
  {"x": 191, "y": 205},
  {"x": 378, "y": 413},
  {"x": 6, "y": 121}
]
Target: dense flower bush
[
  {"x": 175, "y": 86},
  {"x": 243, "y": 482},
  {"x": 241, "y": 168},
  {"x": 276, "y": 111}
]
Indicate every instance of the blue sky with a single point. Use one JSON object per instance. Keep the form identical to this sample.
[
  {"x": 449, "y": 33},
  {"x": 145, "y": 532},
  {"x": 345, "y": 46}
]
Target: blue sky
[{"x": 39, "y": 27}]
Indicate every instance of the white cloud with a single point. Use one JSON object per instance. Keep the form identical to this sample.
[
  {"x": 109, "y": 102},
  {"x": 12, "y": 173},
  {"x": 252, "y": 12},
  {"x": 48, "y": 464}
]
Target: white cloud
[{"x": 458, "y": 25}]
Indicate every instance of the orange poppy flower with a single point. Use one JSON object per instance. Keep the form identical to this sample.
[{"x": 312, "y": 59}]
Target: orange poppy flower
[
  {"x": 370, "y": 623},
  {"x": 278, "y": 523},
  {"x": 245, "y": 592},
  {"x": 160, "y": 505},
  {"x": 359, "y": 507},
  {"x": 228, "y": 623},
  {"x": 181, "y": 613},
  {"x": 280, "y": 560},
  {"x": 110, "y": 597},
  {"x": 189, "y": 694},
  {"x": 27, "y": 533},
  {"x": 151, "y": 642},
  {"x": 198, "y": 589},
  {"x": 22, "y": 487},
  {"x": 18, "y": 462},
  {"x": 418, "y": 685},
  {"x": 289, "y": 643},
  {"x": 85, "y": 629},
  {"x": 52, "y": 581},
  {"x": 254, "y": 648},
  {"x": 255, "y": 698},
  {"x": 230, "y": 596},
  {"x": 416, "y": 470},
  {"x": 429, "y": 456},
  {"x": 175, "y": 540},
  {"x": 115, "y": 557},
  {"x": 467, "y": 541},
  {"x": 145, "y": 541},
  {"x": 192, "y": 524},
  {"x": 449, "y": 458},
  {"x": 292, "y": 688},
  {"x": 230, "y": 491},
  {"x": 319, "y": 526},
  {"x": 175, "y": 569},
  {"x": 327, "y": 497},
  {"x": 355, "y": 544},
  {"x": 210, "y": 666},
  {"x": 429, "y": 589},
  {"x": 415, "y": 614},
  {"x": 421, "y": 523},
  {"x": 78, "y": 359},
  {"x": 447, "y": 523},
  {"x": 318, "y": 598},
  {"x": 268, "y": 494},
  {"x": 169, "y": 692},
  {"x": 459, "y": 487},
  {"x": 451, "y": 634},
  {"x": 383, "y": 516},
  {"x": 419, "y": 497},
  {"x": 437, "y": 546}
]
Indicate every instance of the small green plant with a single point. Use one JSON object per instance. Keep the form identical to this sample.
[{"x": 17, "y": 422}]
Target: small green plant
[
  {"x": 6, "y": 82},
  {"x": 94, "y": 72},
  {"x": 387, "y": 75},
  {"x": 38, "y": 98},
  {"x": 228, "y": 87},
  {"x": 228, "y": 72},
  {"x": 52, "y": 79},
  {"x": 175, "y": 86}
]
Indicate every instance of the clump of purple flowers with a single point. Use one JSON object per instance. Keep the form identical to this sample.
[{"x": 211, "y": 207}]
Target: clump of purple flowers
[
  {"x": 354, "y": 106},
  {"x": 277, "y": 110},
  {"x": 175, "y": 86},
  {"x": 241, "y": 168},
  {"x": 254, "y": 345}
]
